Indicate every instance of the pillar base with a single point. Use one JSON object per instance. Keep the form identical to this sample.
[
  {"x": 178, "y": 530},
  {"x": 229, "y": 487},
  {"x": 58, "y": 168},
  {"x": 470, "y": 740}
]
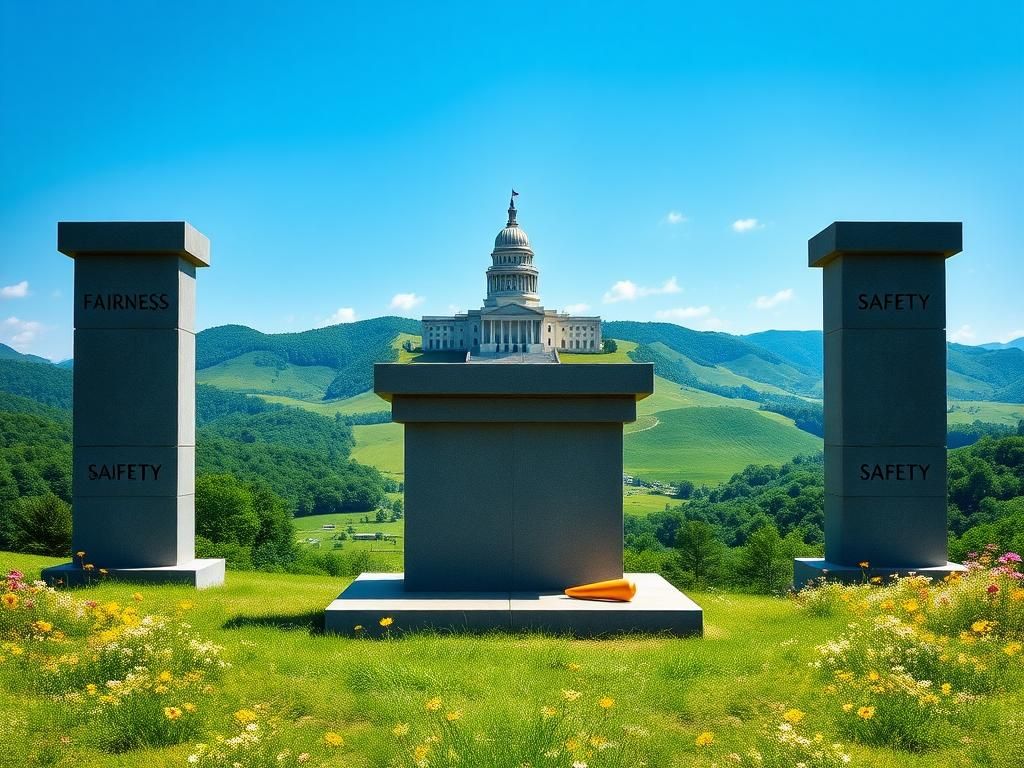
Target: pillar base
[
  {"x": 810, "y": 569},
  {"x": 195, "y": 573}
]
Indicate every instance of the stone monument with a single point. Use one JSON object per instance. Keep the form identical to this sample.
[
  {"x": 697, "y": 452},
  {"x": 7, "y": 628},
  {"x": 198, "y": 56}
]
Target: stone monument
[
  {"x": 513, "y": 493},
  {"x": 134, "y": 401},
  {"x": 885, "y": 398}
]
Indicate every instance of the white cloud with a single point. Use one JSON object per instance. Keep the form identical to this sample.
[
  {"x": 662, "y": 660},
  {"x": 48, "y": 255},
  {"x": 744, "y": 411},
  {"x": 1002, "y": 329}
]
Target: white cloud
[
  {"x": 405, "y": 301},
  {"x": 453, "y": 309},
  {"x": 745, "y": 225},
  {"x": 627, "y": 290},
  {"x": 1006, "y": 338},
  {"x": 341, "y": 315},
  {"x": 683, "y": 313},
  {"x": 20, "y": 334},
  {"x": 576, "y": 309},
  {"x": 674, "y": 217},
  {"x": 770, "y": 302},
  {"x": 16, "y": 291},
  {"x": 963, "y": 335}
]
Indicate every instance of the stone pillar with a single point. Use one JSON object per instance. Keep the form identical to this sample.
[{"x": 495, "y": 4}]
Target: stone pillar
[
  {"x": 885, "y": 397},
  {"x": 134, "y": 401}
]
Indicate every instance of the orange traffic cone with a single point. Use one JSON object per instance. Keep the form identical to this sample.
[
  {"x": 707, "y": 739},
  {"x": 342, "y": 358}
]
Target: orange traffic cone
[{"x": 621, "y": 590}]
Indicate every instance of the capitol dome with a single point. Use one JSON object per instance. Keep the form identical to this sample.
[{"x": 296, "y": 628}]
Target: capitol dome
[{"x": 512, "y": 236}]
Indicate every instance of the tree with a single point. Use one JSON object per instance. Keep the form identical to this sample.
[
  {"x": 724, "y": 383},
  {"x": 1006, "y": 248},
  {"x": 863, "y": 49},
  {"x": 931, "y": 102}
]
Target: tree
[
  {"x": 700, "y": 550},
  {"x": 225, "y": 512},
  {"x": 38, "y": 525},
  {"x": 685, "y": 489},
  {"x": 766, "y": 560},
  {"x": 609, "y": 345}
]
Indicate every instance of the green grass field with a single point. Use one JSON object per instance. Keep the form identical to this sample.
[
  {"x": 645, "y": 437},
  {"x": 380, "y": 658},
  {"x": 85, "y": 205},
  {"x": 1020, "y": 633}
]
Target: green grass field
[
  {"x": 381, "y": 446},
  {"x": 241, "y": 374},
  {"x": 637, "y": 502},
  {"x": 968, "y": 411},
  {"x": 366, "y": 402},
  {"x": 753, "y": 664},
  {"x": 708, "y": 445}
]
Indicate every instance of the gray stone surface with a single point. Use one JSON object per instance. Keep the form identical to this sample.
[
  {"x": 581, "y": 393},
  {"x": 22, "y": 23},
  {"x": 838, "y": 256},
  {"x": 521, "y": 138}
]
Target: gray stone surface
[
  {"x": 134, "y": 398},
  {"x": 658, "y": 607},
  {"x": 811, "y": 569},
  {"x": 885, "y": 387},
  {"x": 143, "y": 239},
  {"x": 885, "y": 392},
  {"x": 200, "y": 573},
  {"x": 887, "y": 531},
  {"x": 938, "y": 238}
]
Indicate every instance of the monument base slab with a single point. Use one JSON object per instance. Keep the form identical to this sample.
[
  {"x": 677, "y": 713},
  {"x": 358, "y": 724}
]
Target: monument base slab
[
  {"x": 810, "y": 569},
  {"x": 201, "y": 573},
  {"x": 658, "y": 608}
]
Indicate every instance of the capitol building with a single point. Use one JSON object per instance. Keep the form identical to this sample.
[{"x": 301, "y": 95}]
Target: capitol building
[{"x": 512, "y": 318}]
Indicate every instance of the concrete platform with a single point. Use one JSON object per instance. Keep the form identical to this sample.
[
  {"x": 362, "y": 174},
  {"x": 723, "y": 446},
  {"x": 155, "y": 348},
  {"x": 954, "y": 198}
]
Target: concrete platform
[
  {"x": 808, "y": 569},
  {"x": 197, "y": 573},
  {"x": 658, "y": 608}
]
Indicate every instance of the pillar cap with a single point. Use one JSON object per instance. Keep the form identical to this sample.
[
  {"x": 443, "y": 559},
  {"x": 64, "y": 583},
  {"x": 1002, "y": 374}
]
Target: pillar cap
[
  {"x": 926, "y": 238},
  {"x": 178, "y": 238}
]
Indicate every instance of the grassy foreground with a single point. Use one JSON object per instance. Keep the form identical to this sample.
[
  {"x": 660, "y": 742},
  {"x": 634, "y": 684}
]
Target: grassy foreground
[{"x": 290, "y": 695}]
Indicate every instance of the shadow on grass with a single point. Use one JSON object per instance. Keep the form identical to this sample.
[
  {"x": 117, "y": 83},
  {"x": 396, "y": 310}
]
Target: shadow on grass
[{"x": 309, "y": 621}]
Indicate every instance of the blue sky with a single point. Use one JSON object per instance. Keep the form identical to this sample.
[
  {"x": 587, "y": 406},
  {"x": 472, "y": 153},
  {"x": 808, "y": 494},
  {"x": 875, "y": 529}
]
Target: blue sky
[{"x": 355, "y": 160}]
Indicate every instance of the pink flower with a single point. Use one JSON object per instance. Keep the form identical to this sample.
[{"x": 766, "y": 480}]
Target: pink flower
[
  {"x": 992, "y": 589},
  {"x": 1009, "y": 557}
]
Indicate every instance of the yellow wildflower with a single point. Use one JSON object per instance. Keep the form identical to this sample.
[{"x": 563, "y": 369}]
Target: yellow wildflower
[
  {"x": 705, "y": 739},
  {"x": 793, "y": 716},
  {"x": 982, "y": 626},
  {"x": 866, "y": 713},
  {"x": 386, "y": 621},
  {"x": 548, "y": 711},
  {"x": 844, "y": 675},
  {"x": 433, "y": 704},
  {"x": 246, "y": 716},
  {"x": 161, "y": 688},
  {"x": 401, "y": 729},
  {"x": 598, "y": 741},
  {"x": 42, "y": 627},
  {"x": 929, "y": 698},
  {"x": 571, "y": 695},
  {"x": 572, "y": 744},
  {"x": 333, "y": 739},
  {"x": 887, "y": 605},
  {"x": 946, "y": 689},
  {"x": 91, "y": 689},
  {"x": 419, "y": 752},
  {"x": 88, "y": 567},
  {"x": 1017, "y": 594},
  {"x": 1012, "y": 649},
  {"x": 606, "y": 702},
  {"x": 9, "y": 600},
  {"x": 172, "y": 713},
  {"x": 137, "y": 597},
  {"x": 185, "y": 605},
  {"x": 876, "y": 579},
  {"x": 188, "y": 706},
  {"x": 572, "y": 666},
  {"x": 847, "y": 707},
  {"x": 873, "y": 675},
  {"x": 455, "y": 714},
  {"x": 910, "y": 606},
  {"x": 864, "y": 564},
  {"x": 165, "y": 676}
]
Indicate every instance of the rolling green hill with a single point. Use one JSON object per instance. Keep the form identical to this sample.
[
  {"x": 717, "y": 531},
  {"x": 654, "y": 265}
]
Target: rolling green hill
[{"x": 708, "y": 445}]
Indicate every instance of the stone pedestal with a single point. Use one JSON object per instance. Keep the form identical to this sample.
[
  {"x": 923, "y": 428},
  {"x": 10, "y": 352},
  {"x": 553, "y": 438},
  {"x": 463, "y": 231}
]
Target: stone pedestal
[
  {"x": 885, "y": 397},
  {"x": 513, "y": 492},
  {"x": 134, "y": 400}
]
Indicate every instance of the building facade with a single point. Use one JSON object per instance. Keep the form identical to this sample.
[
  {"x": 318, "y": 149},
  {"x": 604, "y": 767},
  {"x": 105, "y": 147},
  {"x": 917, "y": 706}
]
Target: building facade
[{"x": 512, "y": 318}]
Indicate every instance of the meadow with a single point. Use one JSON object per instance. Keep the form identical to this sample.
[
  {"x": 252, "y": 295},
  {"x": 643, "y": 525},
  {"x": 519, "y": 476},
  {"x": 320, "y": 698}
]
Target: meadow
[{"x": 114, "y": 674}]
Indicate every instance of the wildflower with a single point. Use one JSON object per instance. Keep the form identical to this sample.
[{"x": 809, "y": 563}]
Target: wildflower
[
  {"x": 189, "y": 706},
  {"x": 1010, "y": 557},
  {"x": 847, "y": 707},
  {"x": 571, "y": 695},
  {"x": 137, "y": 597},
  {"x": 992, "y": 589},
  {"x": 864, "y": 564},
  {"x": 598, "y": 741},
  {"x": 419, "y": 752},
  {"x": 910, "y": 606},
  {"x": 333, "y": 739},
  {"x": 946, "y": 689},
  {"x": 42, "y": 627},
  {"x": 387, "y": 621},
  {"x": 358, "y": 628},
  {"x": 80, "y": 554},
  {"x": 887, "y": 605},
  {"x": 433, "y": 704},
  {"x": 165, "y": 676},
  {"x": 572, "y": 744},
  {"x": 1017, "y": 594},
  {"x": 793, "y": 716},
  {"x": 548, "y": 711},
  {"x": 929, "y": 698},
  {"x": 244, "y": 716},
  {"x": 873, "y": 676},
  {"x": 161, "y": 688},
  {"x": 982, "y": 626},
  {"x": 866, "y": 713},
  {"x": 185, "y": 605},
  {"x": 401, "y": 729},
  {"x": 606, "y": 702},
  {"x": 579, "y": 764},
  {"x": 572, "y": 666},
  {"x": 172, "y": 713},
  {"x": 89, "y": 567},
  {"x": 91, "y": 689},
  {"x": 455, "y": 714},
  {"x": 705, "y": 739},
  {"x": 1012, "y": 649},
  {"x": 876, "y": 579},
  {"x": 9, "y": 600},
  {"x": 302, "y": 758}
]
